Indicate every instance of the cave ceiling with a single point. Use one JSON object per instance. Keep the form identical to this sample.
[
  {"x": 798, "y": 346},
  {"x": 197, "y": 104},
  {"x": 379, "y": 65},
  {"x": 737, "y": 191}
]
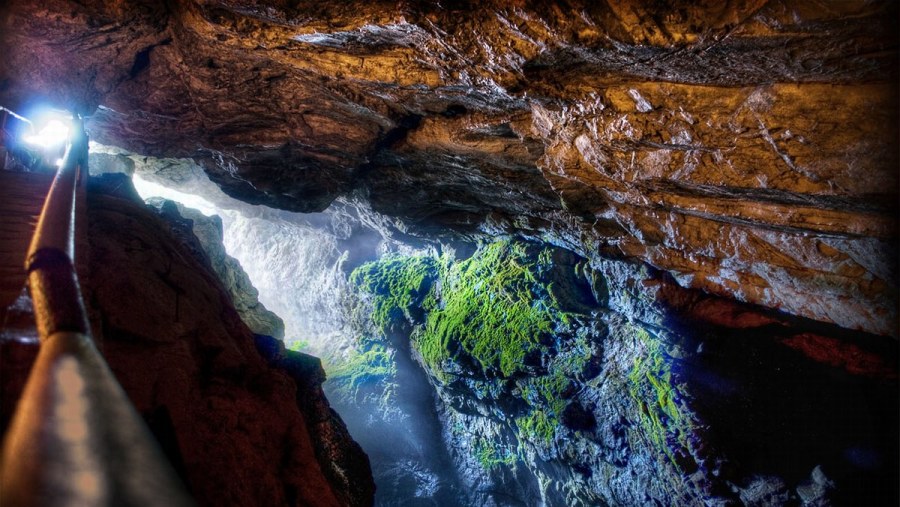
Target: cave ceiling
[{"x": 748, "y": 148}]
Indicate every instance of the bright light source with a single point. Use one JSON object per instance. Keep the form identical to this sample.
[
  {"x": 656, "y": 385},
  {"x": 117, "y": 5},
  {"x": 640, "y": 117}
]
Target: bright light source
[
  {"x": 54, "y": 133},
  {"x": 59, "y": 162}
]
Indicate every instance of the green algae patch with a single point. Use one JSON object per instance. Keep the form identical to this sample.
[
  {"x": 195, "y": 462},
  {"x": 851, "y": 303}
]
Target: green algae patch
[
  {"x": 399, "y": 284},
  {"x": 512, "y": 312},
  {"x": 551, "y": 388},
  {"x": 548, "y": 395},
  {"x": 538, "y": 426},
  {"x": 297, "y": 345},
  {"x": 652, "y": 386},
  {"x": 490, "y": 455},
  {"x": 493, "y": 306},
  {"x": 496, "y": 307},
  {"x": 369, "y": 368}
]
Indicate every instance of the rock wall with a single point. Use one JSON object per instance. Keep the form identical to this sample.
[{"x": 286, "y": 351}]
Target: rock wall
[
  {"x": 388, "y": 403},
  {"x": 747, "y": 148},
  {"x": 226, "y": 407},
  {"x": 562, "y": 382},
  {"x": 297, "y": 262},
  {"x": 208, "y": 238}
]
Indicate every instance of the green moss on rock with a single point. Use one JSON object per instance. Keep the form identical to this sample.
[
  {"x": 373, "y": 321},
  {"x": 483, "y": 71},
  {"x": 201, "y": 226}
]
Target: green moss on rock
[
  {"x": 652, "y": 386},
  {"x": 512, "y": 311},
  {"x": 398, "y": 284},
  {"x": 490, "y": 455},
  {"x": 493, "y": 306},
  {"x": 371, "y": 367},
  {"x": 537, "y": 426}
]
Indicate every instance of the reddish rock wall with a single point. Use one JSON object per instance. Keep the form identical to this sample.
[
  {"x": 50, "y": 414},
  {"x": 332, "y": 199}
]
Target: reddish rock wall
[{"x": 243, "y": 423}]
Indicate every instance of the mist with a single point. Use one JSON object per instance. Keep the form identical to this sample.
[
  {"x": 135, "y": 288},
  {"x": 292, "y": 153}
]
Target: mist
[{"x": 300, "y": 264}]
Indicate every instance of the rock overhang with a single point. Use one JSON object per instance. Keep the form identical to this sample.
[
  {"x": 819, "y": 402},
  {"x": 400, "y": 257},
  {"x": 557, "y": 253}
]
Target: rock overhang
[{"x": 747, "y": 148}]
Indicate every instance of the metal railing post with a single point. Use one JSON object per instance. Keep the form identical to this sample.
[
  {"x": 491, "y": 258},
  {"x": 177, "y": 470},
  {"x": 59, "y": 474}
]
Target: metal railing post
[{"x": 75, "y": 438}]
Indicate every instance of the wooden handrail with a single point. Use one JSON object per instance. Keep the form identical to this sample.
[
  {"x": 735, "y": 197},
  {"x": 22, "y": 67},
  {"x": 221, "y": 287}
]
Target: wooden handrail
[
  {"x": 75, "y": 438},
  {"x": 50, "y": 262}
]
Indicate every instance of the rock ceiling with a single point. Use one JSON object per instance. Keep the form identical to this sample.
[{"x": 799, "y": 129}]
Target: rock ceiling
[{"x": 748, "y": 148}]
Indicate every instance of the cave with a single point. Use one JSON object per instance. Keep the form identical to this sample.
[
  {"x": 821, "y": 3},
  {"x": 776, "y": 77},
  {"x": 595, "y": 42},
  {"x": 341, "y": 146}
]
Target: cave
[{"x": 453, "y": 253}]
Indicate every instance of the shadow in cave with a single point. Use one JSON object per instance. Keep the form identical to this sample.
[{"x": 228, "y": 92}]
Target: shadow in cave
[
  {"x": 774, "y": 410},
  {"x": 409, "y": 460}
]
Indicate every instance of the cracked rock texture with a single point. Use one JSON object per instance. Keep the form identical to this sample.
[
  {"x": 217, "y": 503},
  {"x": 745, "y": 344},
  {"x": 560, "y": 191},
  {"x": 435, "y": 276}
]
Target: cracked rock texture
[{"x": 745, "y": 147}]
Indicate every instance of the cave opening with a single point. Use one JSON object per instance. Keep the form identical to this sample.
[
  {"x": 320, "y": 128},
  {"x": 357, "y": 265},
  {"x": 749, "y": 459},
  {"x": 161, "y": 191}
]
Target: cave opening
[
  {"x": 416, "y": 358},
  {"x": 440, "y": 254}
]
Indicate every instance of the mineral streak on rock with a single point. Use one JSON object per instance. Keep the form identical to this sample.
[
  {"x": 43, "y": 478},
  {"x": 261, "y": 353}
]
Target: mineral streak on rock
[{"x": 748, "y": 148}]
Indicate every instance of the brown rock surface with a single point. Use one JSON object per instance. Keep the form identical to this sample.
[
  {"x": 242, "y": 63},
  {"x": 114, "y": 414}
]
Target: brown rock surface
[
  {"x": 746, "y": 147},
  {"x": 232, "y": 421}
]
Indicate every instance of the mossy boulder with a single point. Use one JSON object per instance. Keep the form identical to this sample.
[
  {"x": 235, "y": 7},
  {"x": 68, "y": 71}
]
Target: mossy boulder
[{"x": 515, "y": 324}]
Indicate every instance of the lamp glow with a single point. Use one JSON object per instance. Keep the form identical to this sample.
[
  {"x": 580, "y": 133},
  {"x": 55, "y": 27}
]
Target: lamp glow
[{"x": 54, "y": 133}]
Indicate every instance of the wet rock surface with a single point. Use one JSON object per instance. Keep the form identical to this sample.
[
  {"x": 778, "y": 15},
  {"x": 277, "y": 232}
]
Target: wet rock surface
[
  {"x": 340, "y": 456},
  {"x": 240, "y": 427},
  {"x": 635, "y": 392},
  {"x": 747, "y": 148},
  {"x": 649, "y": 392},
  {"x": 705, "y": 311},
  {"x": 206, "y": 236}
]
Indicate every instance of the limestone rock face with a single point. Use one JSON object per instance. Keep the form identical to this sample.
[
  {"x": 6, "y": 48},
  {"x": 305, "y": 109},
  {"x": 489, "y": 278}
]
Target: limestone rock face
[
  {"x": 241, "y": 423},
  {"x": 747, "y": 148},
  {"x": 564, "y": 383},
  {"x": 244, "y": 296}
]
